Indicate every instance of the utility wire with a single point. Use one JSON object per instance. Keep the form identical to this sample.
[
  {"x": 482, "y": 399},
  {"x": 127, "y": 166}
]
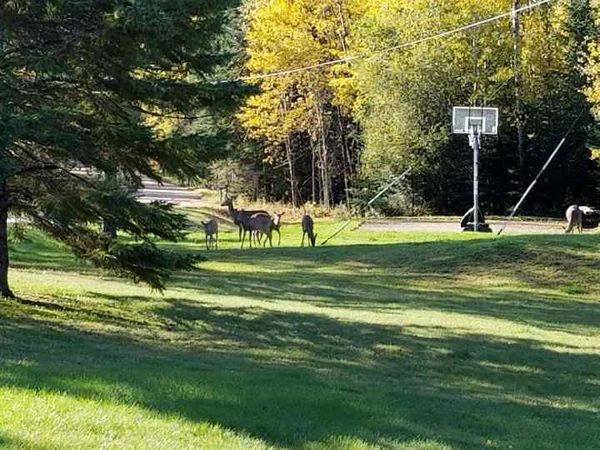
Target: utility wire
[{"x": 389, "y": 49}]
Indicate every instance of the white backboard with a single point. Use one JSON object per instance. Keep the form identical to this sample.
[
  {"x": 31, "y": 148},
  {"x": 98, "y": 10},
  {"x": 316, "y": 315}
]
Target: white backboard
[{"x": 466, "y": 117}]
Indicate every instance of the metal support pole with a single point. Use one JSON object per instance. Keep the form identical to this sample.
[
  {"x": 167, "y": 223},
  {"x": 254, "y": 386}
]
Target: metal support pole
[
  {"x": 379, "y": 194},
  {"x": 475, "y": 141}
]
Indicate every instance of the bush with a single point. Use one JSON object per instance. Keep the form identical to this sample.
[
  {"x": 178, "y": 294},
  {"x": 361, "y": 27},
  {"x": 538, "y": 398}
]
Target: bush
[{"x": 399, "y": 200}]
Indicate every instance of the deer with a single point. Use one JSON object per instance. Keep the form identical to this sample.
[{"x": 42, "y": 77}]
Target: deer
[
  {"x": 575, "y": 216},
  {"x": 258, "y": 223},
  {"x": 276, "y": 227},
  {"x": 574, "y": 219},
  {"x": 308, "y": 228},
  {"x": 211, "y": 234},
  {"x": 236, "y": 215}
]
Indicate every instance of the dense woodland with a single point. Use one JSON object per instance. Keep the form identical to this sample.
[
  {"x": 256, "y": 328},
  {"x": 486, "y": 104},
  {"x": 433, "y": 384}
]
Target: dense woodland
[{"x": 334, "y": 134}]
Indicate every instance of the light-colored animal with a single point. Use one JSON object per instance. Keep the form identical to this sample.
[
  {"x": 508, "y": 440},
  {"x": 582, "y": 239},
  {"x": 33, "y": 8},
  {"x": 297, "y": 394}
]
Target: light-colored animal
[
  {"x": 236, "y": 215},
  {"x": 211, "y": 234},
  {"x": 258, "y": 223},
  {"x": 276, "y": 227},
  {"x": 574, "y": 218},
  {"x": 308, "y": 228}
]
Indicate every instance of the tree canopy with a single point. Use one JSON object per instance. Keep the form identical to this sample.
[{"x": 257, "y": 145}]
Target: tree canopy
[{"x": 396, "y": 105}]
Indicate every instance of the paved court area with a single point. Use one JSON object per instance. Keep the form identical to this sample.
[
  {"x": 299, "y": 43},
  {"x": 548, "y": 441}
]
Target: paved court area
[{"x": 449, "y": 225}]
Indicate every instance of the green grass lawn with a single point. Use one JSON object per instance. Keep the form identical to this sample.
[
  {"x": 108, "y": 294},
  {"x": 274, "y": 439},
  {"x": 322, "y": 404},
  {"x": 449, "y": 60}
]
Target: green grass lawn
[{"x": 377, "y": 340}]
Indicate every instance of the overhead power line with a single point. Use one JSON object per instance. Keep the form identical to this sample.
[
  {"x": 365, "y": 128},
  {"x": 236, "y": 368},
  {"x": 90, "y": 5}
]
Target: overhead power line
[{"x": 389, "y": 49}]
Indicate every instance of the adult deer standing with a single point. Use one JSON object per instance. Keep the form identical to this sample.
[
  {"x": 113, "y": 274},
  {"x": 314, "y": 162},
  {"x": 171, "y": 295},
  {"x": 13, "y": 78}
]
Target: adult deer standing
[
  {"x": 211, "y": 234},
  {"x": 276, "y": 227},
  {"x": 308, "y": 228},
  {"x": 574, "y": 218},
  {"x": 237, "y": 216},
  {"x": 258, "y": 223}
]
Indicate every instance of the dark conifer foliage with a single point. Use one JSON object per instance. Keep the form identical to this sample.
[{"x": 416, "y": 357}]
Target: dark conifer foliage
[{"x": 77, "y": 79}]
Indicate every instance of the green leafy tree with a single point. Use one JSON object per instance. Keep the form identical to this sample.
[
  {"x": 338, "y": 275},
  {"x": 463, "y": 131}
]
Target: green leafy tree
[
  {"x": 302, "y": 120},
  {"x": 593, "y": 61},
  {"x": 78, "y": 83},
  {"x": 405, "y": 100}
]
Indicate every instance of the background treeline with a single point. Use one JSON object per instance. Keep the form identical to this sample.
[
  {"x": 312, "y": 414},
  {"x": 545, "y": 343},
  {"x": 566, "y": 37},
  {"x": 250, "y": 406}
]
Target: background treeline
[{"x": 334, "y": 134}]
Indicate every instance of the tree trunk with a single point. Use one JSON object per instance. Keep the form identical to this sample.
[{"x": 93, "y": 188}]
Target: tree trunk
[
  {"x": 4, "y": 260},
  {"x": 289, "y": 154},
  {"x": 344, "y": 153},
  {"x": 516, "y": 29},
  {"x": 290, "y": 158},
  {"x": 325, "y": 175},
  {"x": 312, "y": 169},
  {"x": 108, "y": 227}
]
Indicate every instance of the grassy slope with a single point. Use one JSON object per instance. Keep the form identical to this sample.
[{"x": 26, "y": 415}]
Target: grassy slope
[{"x": 377, "y": 340}]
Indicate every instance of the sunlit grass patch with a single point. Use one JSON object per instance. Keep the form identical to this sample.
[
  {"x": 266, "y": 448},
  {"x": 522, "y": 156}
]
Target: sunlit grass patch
[{"x": 375, "y": 340}]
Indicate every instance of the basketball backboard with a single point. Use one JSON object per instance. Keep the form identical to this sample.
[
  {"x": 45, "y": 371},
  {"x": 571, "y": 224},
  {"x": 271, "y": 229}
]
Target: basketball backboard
[{"x": 466, "y": 117}]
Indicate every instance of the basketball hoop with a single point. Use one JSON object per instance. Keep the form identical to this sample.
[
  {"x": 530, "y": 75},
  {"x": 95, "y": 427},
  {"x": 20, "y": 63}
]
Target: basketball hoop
[{"x": 475, "y": 121}]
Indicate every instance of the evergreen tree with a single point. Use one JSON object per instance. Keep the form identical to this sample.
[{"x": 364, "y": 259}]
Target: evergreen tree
[{"x": 79, "y": 82}]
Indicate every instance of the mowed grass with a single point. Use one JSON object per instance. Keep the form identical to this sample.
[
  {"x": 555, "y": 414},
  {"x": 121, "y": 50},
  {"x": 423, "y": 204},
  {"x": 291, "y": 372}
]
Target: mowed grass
[{"x": 376, "y": 340}]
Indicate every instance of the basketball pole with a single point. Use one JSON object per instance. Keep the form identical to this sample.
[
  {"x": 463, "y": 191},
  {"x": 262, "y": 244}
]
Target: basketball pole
[
  {"x": 379, "y": 194},
  {"x": 475, "y": 142}
]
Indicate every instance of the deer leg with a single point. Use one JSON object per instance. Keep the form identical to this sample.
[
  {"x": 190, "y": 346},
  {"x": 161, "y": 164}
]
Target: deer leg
[
  {"x": 217, "y": 241},
  {"x": 303, "y": 234},
  {"x": 279, "y": 233},
  {"x": 240, "y": 230}
]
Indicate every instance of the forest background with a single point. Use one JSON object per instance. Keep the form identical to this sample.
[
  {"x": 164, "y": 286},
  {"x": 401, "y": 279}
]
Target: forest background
[{"x": 334, "y": 134}]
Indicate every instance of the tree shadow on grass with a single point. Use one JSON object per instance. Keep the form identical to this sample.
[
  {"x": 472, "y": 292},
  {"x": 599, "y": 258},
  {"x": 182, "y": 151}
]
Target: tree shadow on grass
[
  {"x": 291, "y": 378},
  {"x": 389, "y": 293},
  {"x": 9, "y": 442}
]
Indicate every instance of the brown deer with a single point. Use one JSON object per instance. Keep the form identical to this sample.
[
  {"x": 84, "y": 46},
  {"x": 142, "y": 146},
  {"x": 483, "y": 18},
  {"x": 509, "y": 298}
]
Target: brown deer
[
  {"x": 258, "y": 223},
  {"x": 276, "y": 227},
  {"x": 236, "y": 215},
  {"x": 308, "y": 228},
  {"x": 211, "y": 234}
]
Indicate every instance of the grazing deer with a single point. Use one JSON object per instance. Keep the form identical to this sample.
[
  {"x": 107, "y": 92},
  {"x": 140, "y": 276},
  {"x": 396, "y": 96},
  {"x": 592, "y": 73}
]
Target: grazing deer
[
  {"x": 258, "y": 223},
  {"x": 308, "y": 228},
  {"x": 236, "y": 215},
  {"x": 211, "y": 234}
]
